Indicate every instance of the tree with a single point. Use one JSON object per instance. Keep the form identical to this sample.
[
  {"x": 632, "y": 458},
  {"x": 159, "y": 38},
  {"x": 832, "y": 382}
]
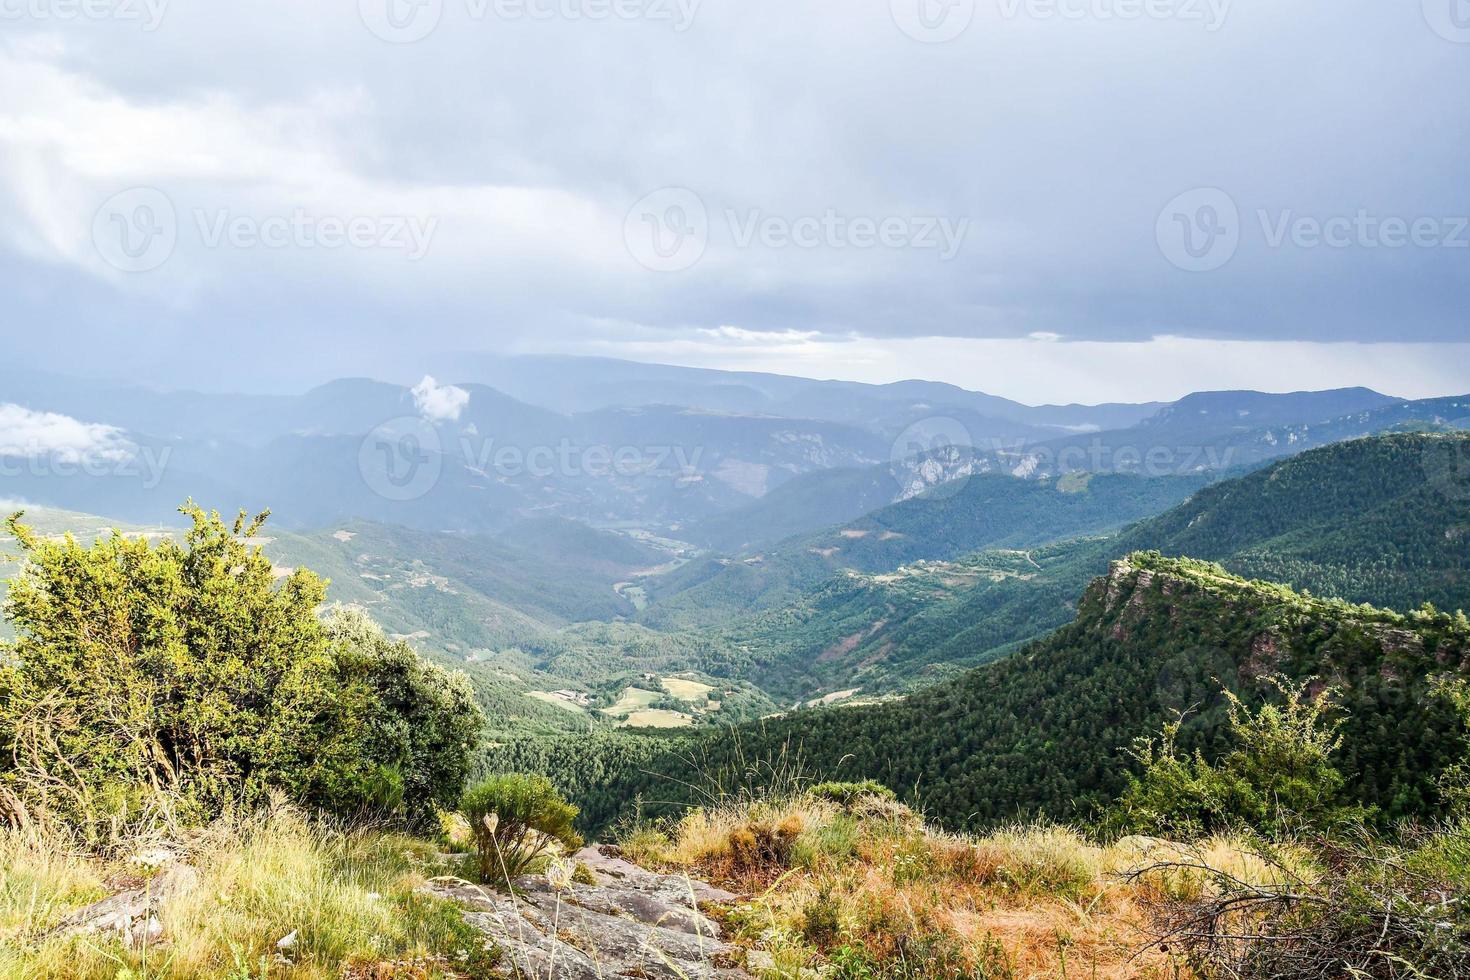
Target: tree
[
  {"x": 418, "y": 726},
  {"x": 184, "y": 676},
  {"x": 1278, "y": 776},
  {"x": 516, "y": 819}
]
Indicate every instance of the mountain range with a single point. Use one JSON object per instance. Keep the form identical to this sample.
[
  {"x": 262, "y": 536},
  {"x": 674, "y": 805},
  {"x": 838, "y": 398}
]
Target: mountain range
[{"x": 724, "y": 460}]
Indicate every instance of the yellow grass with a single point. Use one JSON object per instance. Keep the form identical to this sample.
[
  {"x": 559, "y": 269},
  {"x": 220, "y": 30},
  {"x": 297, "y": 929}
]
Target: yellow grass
[
  {"x": 657, "y": 718},
  {"x": 349, "y": 898},
  {"x": 632, "y": 699},
  {"x": 548, "y": 698},
  {"x": 687, "y": 690},
  {"x": 877, "y": 888}
]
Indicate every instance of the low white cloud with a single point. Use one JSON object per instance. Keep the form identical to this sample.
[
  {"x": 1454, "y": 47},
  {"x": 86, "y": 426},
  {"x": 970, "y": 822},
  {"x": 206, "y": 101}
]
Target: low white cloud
[
  {"x": 33, "y": 435},
  {"x": 439, "y": 403}
]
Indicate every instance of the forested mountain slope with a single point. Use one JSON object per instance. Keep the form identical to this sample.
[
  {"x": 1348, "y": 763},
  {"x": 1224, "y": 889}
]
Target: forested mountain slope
[
  {"x": 1384, "y": 520},
  {"x": 986, "y": 510},
  {"x": 1045, "y": 731}
]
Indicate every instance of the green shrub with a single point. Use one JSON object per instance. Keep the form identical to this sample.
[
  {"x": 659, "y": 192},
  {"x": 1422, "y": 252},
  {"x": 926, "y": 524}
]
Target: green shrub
[
  {"x": 516, "y": 819},
  {"x": 418, "y": 725},
  {"x": 847, "y": 795},
  {"x": 830, "y": 841},
  {"x": 172, "y": 680},
  {"x": 1278, "y": 778},
  {"x": 820, "y": 924}
]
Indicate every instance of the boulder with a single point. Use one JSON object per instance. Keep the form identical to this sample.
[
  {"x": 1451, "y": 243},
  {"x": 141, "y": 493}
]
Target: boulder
[{"x": 631, "y": 923}]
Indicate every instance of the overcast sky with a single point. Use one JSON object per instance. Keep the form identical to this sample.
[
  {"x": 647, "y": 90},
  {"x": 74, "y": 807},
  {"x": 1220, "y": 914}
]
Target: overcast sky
[{"x": 1054, "y": 200}]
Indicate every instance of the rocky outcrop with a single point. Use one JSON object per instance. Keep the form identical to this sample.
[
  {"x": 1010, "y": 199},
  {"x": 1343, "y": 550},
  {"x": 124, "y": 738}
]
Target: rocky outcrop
[
  {"x": 629, "y": 922},
  {"x": 132, "y": 915}
]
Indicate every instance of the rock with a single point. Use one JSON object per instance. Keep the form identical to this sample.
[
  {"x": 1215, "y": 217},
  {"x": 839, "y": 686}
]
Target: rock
[
  {"x": 154, "y": 858},
  {"x": 610, "y": 868},
  {"x": 760, "y": 961},
  {"x": 631, "y": 923},
  {"x": 288, "y": 941},
  {"x": 132, "y": 914}
]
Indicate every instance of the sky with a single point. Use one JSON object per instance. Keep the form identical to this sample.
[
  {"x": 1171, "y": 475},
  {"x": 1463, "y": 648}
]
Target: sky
[{"x": 1052, "y": 200}]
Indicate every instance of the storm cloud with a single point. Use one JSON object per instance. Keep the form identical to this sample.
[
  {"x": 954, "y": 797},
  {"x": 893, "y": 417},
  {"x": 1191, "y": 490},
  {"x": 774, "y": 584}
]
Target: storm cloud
[{"x": 360, "y": 187}]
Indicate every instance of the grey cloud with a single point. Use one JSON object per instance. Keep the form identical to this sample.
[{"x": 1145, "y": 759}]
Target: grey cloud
[{"x": 1059, "y": 140}]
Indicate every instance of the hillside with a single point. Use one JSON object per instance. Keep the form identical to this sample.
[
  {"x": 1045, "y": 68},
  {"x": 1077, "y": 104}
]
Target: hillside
[
  {"x": 984, "y": 510},
  {"x": 1224, "y": 430},
  {"x": 1043, "y": 731},
  {"x": 1381, "y": 520}
]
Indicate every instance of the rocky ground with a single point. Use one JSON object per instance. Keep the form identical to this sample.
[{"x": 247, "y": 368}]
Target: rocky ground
[{"x": 628, "y": 923}]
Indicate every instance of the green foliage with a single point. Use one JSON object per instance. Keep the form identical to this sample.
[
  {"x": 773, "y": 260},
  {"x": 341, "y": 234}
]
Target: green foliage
[
  {"x": 1046, "y": 730},
  {"x": 990, "y": 510},
  {"x": 179, "y": 678},
  {"x": 516, "y": 819},
  {"x": 1277, "y": 779},
  {"x": 1454, "y": 783},
  {"x": 848, "y": 794},
  {"x": 417, "y": 725}
]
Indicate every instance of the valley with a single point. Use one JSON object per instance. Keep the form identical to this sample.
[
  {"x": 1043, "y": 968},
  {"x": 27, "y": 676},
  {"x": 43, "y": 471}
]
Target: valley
[{"x": 965, "y": 649}]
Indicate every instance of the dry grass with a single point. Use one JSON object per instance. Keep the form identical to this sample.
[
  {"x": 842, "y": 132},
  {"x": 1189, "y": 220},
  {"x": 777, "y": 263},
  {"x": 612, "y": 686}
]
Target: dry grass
[
  {"x": 875, "y": 894},
  {"x": 348, "y": 897}
]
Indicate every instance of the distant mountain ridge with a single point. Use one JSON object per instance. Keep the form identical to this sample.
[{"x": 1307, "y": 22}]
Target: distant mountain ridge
[
  {"x": 614, "y": 443},
  {"x": 1384, "y": 520}
]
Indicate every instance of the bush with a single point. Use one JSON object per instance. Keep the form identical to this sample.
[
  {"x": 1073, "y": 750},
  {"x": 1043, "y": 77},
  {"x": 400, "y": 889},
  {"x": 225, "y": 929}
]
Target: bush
[
  {"x": 516, "y": 819},
  {"x": 761, "y": 846},
  {"x": 418, "y": 726},
  {"x": 846, "y": 795},
  {"x": 1278, "y": 778},
  {"x": 1375, "y": 910},
  {"x": 173, "y": 680}
]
